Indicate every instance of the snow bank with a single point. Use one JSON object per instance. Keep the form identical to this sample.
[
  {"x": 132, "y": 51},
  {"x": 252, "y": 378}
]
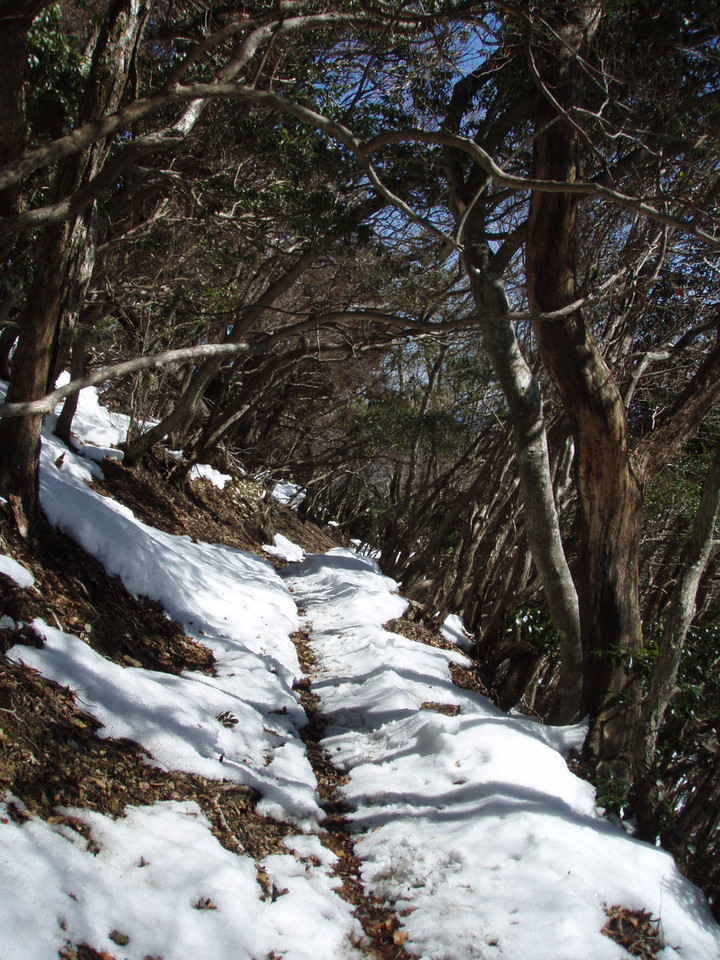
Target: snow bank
[
  {"x": 472, "y": 823},
  {"x": 15, "y": 571},
  {"x": 160, "y": 886}
]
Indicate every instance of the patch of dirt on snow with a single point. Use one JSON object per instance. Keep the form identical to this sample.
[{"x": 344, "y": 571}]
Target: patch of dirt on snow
[
  {"x": 448, "y": 709},
  {"x": 384, "y": 937},
  {"x": 83, "y": 952},
  {"x": 467, "y": 679},
  {"x": 414, "y": 630},
  {"x": 464, "y": 677},
  {"x": 635, "y": 930},
  {"x": 51, "y": 757}
]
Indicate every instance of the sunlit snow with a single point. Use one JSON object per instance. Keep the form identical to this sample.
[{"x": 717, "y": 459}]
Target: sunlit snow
[
  {"x": 466, "y": 819},
  {"x": 15, "y": 571}
]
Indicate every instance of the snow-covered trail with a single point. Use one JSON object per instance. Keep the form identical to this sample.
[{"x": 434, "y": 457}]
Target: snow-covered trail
[
  {"x": 467, "y": 820},
  {"x": 145, "y": 893},
  {"x": 471, "y": 824}
]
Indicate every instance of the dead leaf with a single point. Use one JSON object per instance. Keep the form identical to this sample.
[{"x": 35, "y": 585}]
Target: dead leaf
[
  {"x": 204, "y": 903},
  {"x": 227, "y": 719}
]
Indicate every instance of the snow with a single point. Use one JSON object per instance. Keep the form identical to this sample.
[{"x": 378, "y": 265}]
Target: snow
[
  {"x": 15, "y": 571},
  {"x": 453, "y": 629},
  {"x": 162, "y": 881},
  {"x": 96, "y": 425},
  {"x": 285, "y": 549},
  {"x": 473, "y": 822},
  {"x": 288, "y": 493},
  {"x": 468, "y": 821},
  {"x": 203, "y": 471}
]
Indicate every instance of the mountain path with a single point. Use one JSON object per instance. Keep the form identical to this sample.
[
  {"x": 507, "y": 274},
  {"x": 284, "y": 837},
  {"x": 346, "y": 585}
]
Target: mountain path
[{"x": 383, "y": 937}]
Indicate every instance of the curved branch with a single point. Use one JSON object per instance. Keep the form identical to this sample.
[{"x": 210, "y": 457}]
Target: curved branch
[
  {"x": 578, "y": 187},
  {"x": 172, "y": 93},
  {"x": 47, "y": 403}
]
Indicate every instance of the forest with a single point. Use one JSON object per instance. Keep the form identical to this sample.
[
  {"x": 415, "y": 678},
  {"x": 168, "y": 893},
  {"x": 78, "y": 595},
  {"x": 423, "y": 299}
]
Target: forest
[{"x": 451, "y": 266}]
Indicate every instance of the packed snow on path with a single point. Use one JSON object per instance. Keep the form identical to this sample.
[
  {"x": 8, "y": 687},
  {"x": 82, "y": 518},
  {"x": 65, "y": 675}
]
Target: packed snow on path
[
  {"x": 471, "y": 824},
  {"x": 159, "y": 867}
]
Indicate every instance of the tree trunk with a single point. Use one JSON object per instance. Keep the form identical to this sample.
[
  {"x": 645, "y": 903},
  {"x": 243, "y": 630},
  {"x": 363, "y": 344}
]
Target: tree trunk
[
  {"x": 31, "y": 374},
  {"x": 610, "y": 492},
  {"x": 680, "y": 615},
  {"x": 66, "y": 258},
  {"x": 63, "y": 429},
  {"x": 540, "y": 518},
  {"x": 520, "y": 388},
  {"x": 14, "y": 27}
]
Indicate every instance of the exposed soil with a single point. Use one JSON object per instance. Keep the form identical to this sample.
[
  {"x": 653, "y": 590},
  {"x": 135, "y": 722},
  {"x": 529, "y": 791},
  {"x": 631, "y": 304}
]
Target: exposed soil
[
  {"x": 51, "y": 755},
  {"x": 417, "y": 630},
  {"x": 465, "y": 677},
  {"x": 383, "y": 937},
  {"x": 241, "y": 515},
  {"x": 74, "y": 593},
  {"x": 635, "y": 930}
]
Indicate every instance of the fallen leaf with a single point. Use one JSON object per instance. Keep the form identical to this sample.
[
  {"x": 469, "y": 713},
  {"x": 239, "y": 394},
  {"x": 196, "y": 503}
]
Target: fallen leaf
[
  {"x": 227, "y": 719},
  {"x": 204, "y": 903}
]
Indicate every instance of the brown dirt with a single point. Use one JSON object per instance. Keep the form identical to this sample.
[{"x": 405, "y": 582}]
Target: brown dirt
[
  {"x": 416, "y": 630},
  {"x": 635, "y": 930},
  {"x": 467, "y": 678},
  {"x": 74, "y": 593},
  {"x": 383, "y": 938},
  {"x": 51, "y": 756},
  {"x": 448, "y": 709},
  {"x": 242, "y": 515}
]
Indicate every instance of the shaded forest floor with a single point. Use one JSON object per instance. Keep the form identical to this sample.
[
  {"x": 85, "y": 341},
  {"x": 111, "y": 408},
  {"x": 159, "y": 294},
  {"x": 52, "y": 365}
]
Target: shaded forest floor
[
  {"x": 55, "y": 766},
  {"x": 50, "y": 755}
]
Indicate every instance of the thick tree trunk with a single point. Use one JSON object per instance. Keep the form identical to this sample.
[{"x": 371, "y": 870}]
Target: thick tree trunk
[
  {"x": 610, "y": 491},
  {"x": 520, "y": 388},
  {"x": 31, "y": 376},
  {"x": 65, "y": 258}
]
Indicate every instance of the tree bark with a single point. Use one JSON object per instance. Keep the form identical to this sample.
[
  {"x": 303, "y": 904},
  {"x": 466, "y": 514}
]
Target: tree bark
[
  {"x": 63, "y": 428},
  {"x": 682, "y": 610},
  {"x": 14, "y": 26},
  {"x": 540, "y": 517},
  {"x": 66, "y": 258},
  {"x": 610, "y": 490},
  {"x": 519, "y": 386}
]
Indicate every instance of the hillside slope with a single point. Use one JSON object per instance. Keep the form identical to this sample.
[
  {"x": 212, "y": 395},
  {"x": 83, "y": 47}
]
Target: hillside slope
[{"x": 240, "y": 761}]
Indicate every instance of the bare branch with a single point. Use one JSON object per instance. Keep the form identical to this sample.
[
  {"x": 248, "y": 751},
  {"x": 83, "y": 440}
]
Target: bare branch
[
  {"x": 168, "y": 358},
  {"x": 579, "y": 187}
]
